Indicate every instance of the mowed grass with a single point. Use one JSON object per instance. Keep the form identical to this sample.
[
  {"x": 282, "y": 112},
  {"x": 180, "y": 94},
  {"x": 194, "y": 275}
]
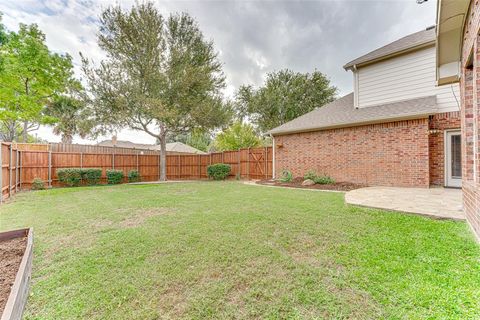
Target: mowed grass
[{"x": 225, "y": 250}]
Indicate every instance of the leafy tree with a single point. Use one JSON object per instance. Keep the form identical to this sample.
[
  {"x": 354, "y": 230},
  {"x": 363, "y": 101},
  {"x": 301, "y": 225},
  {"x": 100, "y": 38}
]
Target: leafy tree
[
  {"x": 71, "y": 117},
  {"x": 30, "y": 77},
  {"x": 160, "y": 76},
  {"x": 238, "y": 135},
  {"x": 285, "y": 96},
  {"x": 198, "y": 139}
]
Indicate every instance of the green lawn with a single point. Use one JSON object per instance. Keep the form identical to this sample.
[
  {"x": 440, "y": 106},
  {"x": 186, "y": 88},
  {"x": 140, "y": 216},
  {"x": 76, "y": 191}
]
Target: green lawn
[{"x": 226, "y": 250}]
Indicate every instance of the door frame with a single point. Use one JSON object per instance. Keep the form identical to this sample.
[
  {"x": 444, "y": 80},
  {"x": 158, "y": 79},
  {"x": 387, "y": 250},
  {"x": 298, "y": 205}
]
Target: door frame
[{"x": 457, "y": 183}]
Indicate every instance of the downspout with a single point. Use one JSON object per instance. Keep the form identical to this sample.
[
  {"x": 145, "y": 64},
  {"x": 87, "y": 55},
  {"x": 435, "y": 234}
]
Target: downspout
[{"x": 273, "y": 156}]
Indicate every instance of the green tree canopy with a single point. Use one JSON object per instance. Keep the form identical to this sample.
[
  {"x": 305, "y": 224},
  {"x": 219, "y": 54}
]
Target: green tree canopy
[
  {"x": 71, "y": 117},
  {"x": 285, "y": 96},
  {"x": 31, "y": 76},
  {"x": 161, "y": 75},
  {"x": 197, "y": 138},
  {"x": 239, "y": 135}
]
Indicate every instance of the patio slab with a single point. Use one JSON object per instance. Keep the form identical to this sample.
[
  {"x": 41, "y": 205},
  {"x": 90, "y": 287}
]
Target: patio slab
[{"x": 435, "y": 202}]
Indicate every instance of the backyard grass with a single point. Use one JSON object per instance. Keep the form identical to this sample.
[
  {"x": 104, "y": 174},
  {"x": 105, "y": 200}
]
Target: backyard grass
[{"x": 227, "y": 250}]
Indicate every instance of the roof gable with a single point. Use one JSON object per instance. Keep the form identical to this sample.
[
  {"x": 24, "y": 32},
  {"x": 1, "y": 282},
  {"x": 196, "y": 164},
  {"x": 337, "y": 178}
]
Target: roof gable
[{"x": 408, "y": 43}]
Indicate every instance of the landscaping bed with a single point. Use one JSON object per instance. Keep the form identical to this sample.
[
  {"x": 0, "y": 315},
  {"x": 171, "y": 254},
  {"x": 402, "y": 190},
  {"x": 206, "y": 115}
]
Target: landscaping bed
[
  {"x": 297, "y": 183},
  {"x": 15, "y": 268}
]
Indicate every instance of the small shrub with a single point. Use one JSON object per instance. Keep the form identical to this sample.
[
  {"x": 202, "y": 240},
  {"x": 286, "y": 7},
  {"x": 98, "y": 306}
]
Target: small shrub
[
  {"x": 133, "y": 176},
  {"x": 114, "y": 176},
  {"x": 91, "y": 176},
  {"x": 286, "y": 176},
  {"x": 323, "y": 180},
  {"x": 310, "y": 175},
  {"x": 38, "y": 184},
  {"x": 218, "y": 171},
  {"x": 71, "y": 177}
]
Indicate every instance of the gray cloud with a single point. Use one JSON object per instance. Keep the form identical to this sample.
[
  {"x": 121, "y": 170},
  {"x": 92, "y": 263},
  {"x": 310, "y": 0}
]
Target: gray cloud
[{"x": 252, "y": 37}]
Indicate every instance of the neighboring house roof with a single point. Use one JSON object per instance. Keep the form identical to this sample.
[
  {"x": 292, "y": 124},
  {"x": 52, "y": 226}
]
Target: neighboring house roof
[
  {"x": 171, "y": 147},
  {"x": 342, "y": 113},
  {"x": 408, "y": 43},
  {"x": 182, "y": 147}
]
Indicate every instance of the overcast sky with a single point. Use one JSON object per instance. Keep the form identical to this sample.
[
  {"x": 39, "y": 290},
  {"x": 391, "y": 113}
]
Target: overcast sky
[{"x": 252, "y": 37}]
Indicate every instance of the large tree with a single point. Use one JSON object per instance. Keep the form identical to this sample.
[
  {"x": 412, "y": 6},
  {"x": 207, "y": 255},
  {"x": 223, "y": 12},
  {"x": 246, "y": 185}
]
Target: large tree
[
  {"x": 31, "y": 76},
  {"x": 160, "y": 76},
  {"x": 239, "y": 135},
  {"x": 285, "y": 96}
]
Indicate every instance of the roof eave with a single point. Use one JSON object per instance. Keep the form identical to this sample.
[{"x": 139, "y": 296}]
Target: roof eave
[
  {"x": 351, "y": 66},
  {"x": 354, "y": 124},
  {"x": 451, "y": 16}
]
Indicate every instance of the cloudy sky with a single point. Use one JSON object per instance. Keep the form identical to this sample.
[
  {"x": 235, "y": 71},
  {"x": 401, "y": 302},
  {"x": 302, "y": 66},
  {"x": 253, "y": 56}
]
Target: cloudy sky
[{"x": 252, "y": 37}]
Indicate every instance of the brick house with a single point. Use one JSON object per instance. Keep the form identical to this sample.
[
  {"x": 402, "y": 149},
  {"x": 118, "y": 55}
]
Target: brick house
[
  {"x": 398, "y": 128},
  {"x": 458, "y": 61}
]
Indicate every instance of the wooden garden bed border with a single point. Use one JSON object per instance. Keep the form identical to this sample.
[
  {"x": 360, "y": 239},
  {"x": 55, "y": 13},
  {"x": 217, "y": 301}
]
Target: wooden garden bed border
[{"x": 17, "y": 298}]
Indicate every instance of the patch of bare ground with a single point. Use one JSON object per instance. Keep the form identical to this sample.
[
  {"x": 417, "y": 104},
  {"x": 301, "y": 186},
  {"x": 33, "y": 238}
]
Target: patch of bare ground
[
  {"x": 297, "y": 183},
  {"x": 139, "y": 217},
  {"x": 11, "y": 254}
]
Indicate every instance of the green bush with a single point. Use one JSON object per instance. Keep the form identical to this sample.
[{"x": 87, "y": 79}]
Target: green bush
[
  {"x": 218, "y": 171},
  {"x": 133, "y": 176},
  {"x": 71, "y": 177},
  {"x": 91, "y": 176},
  {"x": 310, "y": 175},
  {"x": 38, "y": 184},
  {"x": 323, "y": 180},
  {"x": 286, "y": 176},
  {"x": 114, "y": 176}
]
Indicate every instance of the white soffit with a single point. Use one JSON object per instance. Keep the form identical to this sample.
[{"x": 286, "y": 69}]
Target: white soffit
[{"x": 451, "y": 16}]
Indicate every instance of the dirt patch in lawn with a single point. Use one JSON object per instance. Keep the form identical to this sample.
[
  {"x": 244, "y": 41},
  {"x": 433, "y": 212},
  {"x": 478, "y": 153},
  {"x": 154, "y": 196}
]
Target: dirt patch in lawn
[
  {"x": 297, "y": 183},
  {"x": 11, "y": 254},
  {"x": 140, "y": 216}
]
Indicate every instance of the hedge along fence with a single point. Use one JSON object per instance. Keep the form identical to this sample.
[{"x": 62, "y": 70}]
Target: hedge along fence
[{"x": 254, "y": 163}]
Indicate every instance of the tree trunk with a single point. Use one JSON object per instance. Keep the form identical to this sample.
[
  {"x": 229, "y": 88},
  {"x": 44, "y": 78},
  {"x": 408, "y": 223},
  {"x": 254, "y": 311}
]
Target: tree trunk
[
  {"x": 25, "y": 132},
  {"x": 163, "y": 153}
]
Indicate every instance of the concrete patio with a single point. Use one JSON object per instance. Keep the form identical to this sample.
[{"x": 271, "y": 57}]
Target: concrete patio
[{"x": 435, "y": 202}]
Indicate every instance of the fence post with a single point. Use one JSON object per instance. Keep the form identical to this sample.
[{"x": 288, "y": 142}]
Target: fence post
[
  {"x": 81, "y": 159},
  {"x": 199, "y": 166},
  {"x": 16, "y": 170},
  {"x": 239, "y": 152},
  {"x": 19, "y": 170},
  {"x": 137, "y": 161},
  {"x": 179, "y": 167},
  {"x": 159, "y": 169},
  {"x": 49, "y": 169},
  {"x": 10, "y": 172},
  {"x": 113, "y": 158},
  {"x": 1, "y": 174},
  {"x": 248, "y": 163},
  {"x": 266, "y": 162}
]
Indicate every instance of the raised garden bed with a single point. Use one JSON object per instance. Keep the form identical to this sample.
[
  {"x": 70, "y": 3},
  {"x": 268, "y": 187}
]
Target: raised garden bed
[
  {"x": 297, "y": 183},
  {"x": 16, "y": 254}
]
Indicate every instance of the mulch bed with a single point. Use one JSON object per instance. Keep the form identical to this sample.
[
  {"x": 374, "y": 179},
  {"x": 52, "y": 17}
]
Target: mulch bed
[
  {"x": 11, "y": 254},
  {"x": 297, "y": 183}
]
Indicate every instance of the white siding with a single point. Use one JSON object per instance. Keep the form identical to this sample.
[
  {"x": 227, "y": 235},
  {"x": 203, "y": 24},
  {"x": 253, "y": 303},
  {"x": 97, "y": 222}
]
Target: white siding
[{"x": 405, "y": 77}]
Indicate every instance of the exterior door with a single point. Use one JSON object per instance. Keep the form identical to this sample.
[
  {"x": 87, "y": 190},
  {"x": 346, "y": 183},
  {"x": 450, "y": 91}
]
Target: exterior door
[{"x": 453, "y": 159}]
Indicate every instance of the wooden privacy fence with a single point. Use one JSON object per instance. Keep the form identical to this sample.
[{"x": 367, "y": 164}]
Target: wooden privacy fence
[
  {"x": 10, "y": 158},
  {"x": 20, "y": 165}
]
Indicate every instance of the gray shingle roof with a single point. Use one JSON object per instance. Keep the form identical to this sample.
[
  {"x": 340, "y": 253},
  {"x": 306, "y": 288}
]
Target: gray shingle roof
[
  {"x": 342, "y": 113},
  {"x": 411, "y": 41}
]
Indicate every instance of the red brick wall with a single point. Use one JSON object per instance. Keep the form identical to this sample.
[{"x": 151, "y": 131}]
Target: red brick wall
[
  {"x": 390, "y": 154},
  {"x": 438, "y": 124},
  {"x": 469, "y": 86}
]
